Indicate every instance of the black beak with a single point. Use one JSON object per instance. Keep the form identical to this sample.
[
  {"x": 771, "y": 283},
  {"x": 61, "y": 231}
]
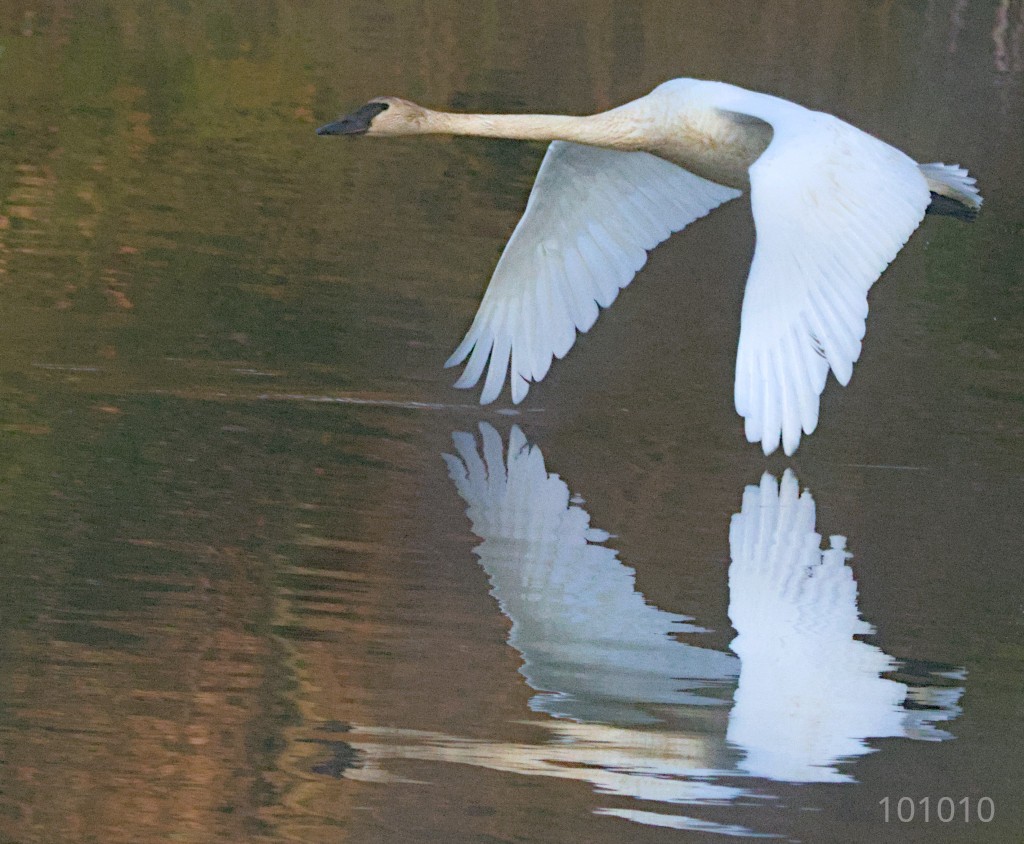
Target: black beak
[{"x": 355, "y": 123}]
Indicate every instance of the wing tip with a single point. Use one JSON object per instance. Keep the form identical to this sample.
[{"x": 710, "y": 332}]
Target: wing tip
[
  {"x": 520, "y": 387},
  {"x": 466, "y": 381}
]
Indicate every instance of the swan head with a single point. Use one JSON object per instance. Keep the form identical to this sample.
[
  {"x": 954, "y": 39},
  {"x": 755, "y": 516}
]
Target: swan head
[{"x": 381, "y": 116}]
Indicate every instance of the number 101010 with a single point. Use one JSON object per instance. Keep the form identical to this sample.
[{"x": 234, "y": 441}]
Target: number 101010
[{"x": 943, "y": 810}]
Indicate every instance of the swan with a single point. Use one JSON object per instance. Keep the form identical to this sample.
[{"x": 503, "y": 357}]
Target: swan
[{"x": 832, "y": 207}]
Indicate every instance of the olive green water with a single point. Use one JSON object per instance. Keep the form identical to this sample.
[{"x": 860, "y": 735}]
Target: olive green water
[{"x": 241, "y": 598}]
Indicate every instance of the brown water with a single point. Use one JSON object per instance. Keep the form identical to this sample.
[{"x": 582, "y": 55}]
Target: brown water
[{"x": 241, "y": 597}]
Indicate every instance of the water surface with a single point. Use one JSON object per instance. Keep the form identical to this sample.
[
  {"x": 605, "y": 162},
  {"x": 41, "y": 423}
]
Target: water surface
[{"x": 268, "y": 577}]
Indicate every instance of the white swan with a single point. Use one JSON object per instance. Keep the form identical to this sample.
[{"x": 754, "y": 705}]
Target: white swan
[{"x": 832, "y": 207}]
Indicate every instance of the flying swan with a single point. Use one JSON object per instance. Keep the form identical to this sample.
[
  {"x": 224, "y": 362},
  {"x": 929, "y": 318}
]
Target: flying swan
[{"x": 832, "y": 206}]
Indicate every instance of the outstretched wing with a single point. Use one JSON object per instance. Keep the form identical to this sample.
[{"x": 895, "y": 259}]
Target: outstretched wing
[
  {"x": 591, "y": 217},
  {"x": 832, "y": 207}
]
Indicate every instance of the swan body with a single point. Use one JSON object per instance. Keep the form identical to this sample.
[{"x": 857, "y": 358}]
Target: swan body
[{"x": 832, "y": 207}]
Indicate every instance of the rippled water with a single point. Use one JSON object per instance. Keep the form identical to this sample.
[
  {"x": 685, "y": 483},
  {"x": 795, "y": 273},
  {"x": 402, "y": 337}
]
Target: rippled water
[{"x": 268, "y": 577}]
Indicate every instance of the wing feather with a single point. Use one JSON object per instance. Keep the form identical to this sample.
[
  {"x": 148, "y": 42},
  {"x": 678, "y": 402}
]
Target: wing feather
[
  {"x": 832, "y": 207},
  {"x": 591, "y": 217}
]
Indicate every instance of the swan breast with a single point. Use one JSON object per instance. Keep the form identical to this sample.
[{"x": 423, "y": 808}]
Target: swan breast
[{"x": 714, "y": 144}]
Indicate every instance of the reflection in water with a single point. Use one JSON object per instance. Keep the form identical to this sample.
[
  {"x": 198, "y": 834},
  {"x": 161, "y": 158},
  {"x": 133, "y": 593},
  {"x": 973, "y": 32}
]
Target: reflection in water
[
  {"x": 663, "y": 766},
  {"x": 809, "y": 693},
  {"x": 203, "y": 559},
  {"x": 803, "y": 672},
  {"x": 588, "y": 639},
  {"x": 1008, "y": 37}
]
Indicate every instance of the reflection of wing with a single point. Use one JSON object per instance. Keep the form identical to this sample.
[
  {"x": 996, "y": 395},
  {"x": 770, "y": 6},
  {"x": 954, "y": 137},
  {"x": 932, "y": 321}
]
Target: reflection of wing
[
  {"x": 626, "y": 762},
  {"x": 591, "y": 215},
  {"x": 585, "y": 633},
  {"x": 810, "y": 694}
]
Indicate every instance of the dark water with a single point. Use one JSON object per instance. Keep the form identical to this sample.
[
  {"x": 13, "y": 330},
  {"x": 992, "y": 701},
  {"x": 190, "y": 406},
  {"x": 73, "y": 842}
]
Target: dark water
[{"x": 242, "y": 599}]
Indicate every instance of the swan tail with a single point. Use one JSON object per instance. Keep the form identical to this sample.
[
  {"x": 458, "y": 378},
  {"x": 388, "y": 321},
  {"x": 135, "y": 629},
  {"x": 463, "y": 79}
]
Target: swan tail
[{"x": 954, "y": 193}]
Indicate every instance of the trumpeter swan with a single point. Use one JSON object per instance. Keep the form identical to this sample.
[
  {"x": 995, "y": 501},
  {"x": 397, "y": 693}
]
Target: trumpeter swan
[{"x": 832, "y": 206}]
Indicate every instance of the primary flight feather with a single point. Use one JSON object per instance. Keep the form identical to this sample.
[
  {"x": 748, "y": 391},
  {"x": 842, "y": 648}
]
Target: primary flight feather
[{"x": 832, "y": 207}]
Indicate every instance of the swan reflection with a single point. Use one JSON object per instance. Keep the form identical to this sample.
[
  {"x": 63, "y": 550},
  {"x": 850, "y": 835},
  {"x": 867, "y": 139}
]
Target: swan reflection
[
  {"x": 590, "y": 643},
  {"x": 808, "y": 695},
  {"x": 804, "y": 674}
]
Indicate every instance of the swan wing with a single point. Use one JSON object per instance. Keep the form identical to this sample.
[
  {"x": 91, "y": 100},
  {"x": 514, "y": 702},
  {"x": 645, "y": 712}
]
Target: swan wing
[
  {"x": 832, "y": 206},
  {"x": 591, "y": 217}
]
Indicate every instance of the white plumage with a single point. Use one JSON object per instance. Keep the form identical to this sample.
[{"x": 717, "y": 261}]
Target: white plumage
[
  {"x": 589, "y": 222},
  {"x": 832, "y": 207}
]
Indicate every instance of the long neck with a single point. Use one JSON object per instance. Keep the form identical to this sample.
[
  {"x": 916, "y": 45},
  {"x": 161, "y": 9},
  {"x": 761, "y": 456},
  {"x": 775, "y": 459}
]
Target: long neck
[{"x": 606, "y": 129}]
